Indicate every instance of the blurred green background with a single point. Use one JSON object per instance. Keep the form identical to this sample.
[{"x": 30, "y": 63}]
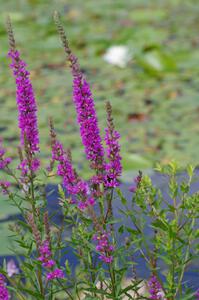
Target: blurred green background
[{"x": 155, "y": 97}]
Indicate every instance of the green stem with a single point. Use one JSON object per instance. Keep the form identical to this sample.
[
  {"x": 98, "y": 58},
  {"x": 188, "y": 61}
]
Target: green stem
[
  {"x": 185, "y": 259},
  {"x": 32, "y": 200},
  {"x": 112, "y": 276},
  {"x": 65, "y": 290}
]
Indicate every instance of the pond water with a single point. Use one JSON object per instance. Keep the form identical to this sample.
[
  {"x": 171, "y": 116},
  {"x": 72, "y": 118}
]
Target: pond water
[{"x": 192, "y": 273}]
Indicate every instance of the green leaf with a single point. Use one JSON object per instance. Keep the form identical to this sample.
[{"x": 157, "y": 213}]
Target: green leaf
[
  {"x": 123, "y": 199},
  {"x": 160, "y": 224}
]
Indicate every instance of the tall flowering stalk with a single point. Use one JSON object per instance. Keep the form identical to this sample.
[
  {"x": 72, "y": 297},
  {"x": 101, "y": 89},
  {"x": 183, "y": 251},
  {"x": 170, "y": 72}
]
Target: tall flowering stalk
[
  {"x": 91, "y": 139},
  {"x": 26, "y": 104},
  {"x": 113, "y": 167},
  {"x": 85, "y": 108}
]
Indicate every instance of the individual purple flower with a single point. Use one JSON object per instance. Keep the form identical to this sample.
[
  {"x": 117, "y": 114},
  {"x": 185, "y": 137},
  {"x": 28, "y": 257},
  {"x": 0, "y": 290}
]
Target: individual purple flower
[
  {"x": 57, "y": 273},
  {"x": 4, "y": 295},
  {"x": 106, "y": 259},
  {"x": 26, "y": 103},
  {"x": 82, "y": 205},
  {"x": 11, "y": 268},
  {"x": 113, "y": 167},
  {"x": 197, "y": 295},
  {"x": 5, "y": 186},
  {"x": 155, "y": 289},
  {"x": 90, "y": 201}
]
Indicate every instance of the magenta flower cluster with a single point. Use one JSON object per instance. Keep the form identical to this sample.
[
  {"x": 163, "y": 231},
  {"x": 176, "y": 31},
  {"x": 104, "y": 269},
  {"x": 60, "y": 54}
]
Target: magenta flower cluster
[
  {"x": 71, "y": 181},
  {"x": 57, "y": 273},
  {"x": 45, "y": 255},
  {"x": 197, "y": 295},
  {"x": 155, "y": 289},
  {"x": 24, "y": 166},
  {"x": 4, "y": 295},
  {"x": 104, "y": 247},
  {"x": 27, "y": 108},
  {"x": 87, "y": 119},
  {"x": 47, "y": 261},
  {"x": 113, "y": 167}
]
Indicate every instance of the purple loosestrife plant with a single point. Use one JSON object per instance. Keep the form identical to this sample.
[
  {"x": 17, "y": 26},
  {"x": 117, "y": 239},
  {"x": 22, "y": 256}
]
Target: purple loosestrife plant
[
  {"x": 90, "y": 133},
  {"x": 86, "y": 222}
]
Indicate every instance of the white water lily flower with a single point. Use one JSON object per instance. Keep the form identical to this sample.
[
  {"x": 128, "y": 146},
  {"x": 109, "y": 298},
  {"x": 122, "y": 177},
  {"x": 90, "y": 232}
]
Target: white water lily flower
[{"x": 118, "y": 55}]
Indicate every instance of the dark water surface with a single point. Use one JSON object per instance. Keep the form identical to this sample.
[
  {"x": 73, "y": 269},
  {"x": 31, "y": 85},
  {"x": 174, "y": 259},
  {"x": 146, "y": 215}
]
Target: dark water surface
[{"x": 192, "y": 273}]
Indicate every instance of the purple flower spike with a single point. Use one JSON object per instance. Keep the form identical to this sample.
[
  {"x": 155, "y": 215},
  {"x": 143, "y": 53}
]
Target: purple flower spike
[
  {"x": 104, "y": 247},
  {"x": 85, "y": 108},
  {"x": 47, "y": 261},
  {"x": 27, "y": 108},
  {"x": 87, "y": 119},
  {"x": 45, "y": 255}
]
